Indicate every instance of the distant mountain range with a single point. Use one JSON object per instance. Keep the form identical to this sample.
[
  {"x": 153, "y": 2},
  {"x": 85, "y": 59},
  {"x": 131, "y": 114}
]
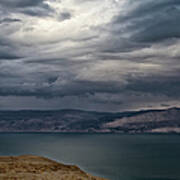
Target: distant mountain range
[{"x": 148, "y": 121}]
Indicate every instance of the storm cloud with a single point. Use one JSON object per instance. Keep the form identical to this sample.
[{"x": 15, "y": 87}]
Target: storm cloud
[
  {"x": 28, "y": 7},
  {"x": 98, "y": 55}
]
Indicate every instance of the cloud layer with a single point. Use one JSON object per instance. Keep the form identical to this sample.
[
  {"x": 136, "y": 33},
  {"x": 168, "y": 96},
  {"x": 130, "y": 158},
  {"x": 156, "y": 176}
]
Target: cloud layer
[{"x": 100, "y": 55}]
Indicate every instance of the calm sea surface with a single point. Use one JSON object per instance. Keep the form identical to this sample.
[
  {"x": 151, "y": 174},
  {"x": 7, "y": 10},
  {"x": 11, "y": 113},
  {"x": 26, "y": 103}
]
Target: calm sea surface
[{"x": 117, "y": 157}]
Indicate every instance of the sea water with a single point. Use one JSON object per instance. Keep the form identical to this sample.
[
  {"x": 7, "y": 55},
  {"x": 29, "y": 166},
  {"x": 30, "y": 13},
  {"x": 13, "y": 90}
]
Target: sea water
[{"x": 113, "y": 156}]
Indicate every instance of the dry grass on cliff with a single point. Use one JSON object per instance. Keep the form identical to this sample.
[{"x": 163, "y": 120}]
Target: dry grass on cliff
[{"x": 39, "y": 168}]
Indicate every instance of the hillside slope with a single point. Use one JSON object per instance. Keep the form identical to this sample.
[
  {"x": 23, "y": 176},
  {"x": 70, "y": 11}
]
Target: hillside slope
[
  {"x": 162, "y": 121},
  {"x": 149, "y": 121},
  {"x": 39, "y": 168}
]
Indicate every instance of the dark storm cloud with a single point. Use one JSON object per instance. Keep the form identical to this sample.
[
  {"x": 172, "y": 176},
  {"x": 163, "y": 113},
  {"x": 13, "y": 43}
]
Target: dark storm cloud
[
  {"x": 49, "y": 85},
  {"x": 28, "y": 7},
  {"x": 20, "y": 3},
  {"x": 132, "y": 59},
  {"x": 37, "y": 11},
  {"x": 7, "y": 50},
  {"x": 149, "y": 21},
  {"x": 115, "y": 44},
  {"x": 143, "y": 23},
  {"x": 9, "y": 20},
  {"x": 5, "y": 55},
  {"x": 156, "y": 85}
]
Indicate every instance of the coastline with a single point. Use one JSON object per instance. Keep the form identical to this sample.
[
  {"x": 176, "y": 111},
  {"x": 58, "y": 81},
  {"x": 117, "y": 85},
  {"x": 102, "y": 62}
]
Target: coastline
[{"x": 28, "y": 167}]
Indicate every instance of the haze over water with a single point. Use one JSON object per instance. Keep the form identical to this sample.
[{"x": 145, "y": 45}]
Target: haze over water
[{"x": 113, "y": 156}]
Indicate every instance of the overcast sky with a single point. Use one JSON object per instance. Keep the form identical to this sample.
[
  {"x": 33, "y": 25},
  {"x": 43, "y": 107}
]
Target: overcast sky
[{"x": 104, "y": 55}]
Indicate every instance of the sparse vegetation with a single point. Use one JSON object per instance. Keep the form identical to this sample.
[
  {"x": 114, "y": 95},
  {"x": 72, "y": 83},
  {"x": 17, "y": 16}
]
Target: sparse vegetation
[{"x": 39, "y": 168}]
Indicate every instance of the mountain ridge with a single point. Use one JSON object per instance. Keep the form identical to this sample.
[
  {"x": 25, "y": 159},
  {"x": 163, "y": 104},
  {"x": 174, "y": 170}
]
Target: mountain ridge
[{"x": 70, "y": 120}]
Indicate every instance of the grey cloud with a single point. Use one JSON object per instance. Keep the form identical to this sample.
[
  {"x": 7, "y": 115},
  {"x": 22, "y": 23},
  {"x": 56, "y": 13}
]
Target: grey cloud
[
  {"x": 28, "y": 7},
  {"x": 37, "y": 11},
  {"x": 64, "y": 82},
  {"x": 115, "y": 44},
  {"x": 52, "y": 86},
  {"x": 64, "y": 16},
  {"x": 5, "y": 55},
  {"x": 20, "y": 3},
  {"x": 150, "y": 21},
  {"x": 51, "y": 70},
  {"x": 9, "y": 20},
  {"x": 156, "y": 85},
  {"x": 7, "y": 50},
  {"x": 142, "y": 24}
]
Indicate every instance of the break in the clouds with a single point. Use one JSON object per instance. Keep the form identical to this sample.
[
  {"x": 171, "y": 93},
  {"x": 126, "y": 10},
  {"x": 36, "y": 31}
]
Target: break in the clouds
[{"x": 108, "y": 55}]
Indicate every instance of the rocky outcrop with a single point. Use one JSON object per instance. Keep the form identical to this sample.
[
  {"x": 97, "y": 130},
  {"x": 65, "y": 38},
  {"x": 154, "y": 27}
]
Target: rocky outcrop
[{"x": 39, "y": 168}]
